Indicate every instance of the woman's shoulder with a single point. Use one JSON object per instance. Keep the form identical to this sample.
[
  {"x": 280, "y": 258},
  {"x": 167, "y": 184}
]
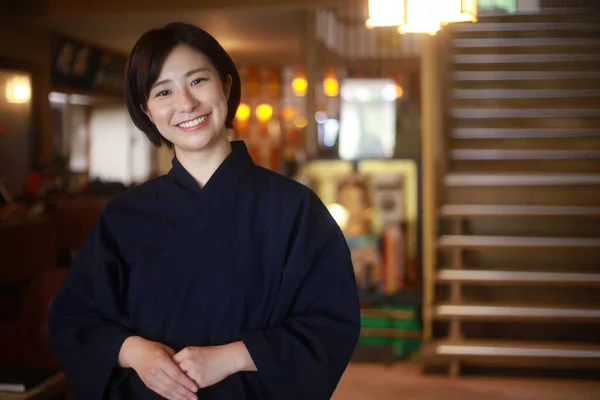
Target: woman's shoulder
[
  {"x": 138, "y": 196},
  {"x": 283, "y": 185},
  {"x": 289, "y": 192}
]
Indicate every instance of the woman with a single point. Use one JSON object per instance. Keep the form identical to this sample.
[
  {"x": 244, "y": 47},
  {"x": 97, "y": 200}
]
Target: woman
[{"x": 219, "y": 280}]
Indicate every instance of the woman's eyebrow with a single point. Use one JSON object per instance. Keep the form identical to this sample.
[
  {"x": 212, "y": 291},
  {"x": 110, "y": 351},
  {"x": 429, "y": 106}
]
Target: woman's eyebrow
[{"x": 187, "y": 74}]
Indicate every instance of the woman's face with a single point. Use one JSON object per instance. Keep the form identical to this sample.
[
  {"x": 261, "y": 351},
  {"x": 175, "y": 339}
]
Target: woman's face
[{"x": 188, "y": 102}]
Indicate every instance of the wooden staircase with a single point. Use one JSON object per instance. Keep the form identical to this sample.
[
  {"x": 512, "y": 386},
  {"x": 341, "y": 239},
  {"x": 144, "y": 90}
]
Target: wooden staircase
[{"x": 517, "y": 281}]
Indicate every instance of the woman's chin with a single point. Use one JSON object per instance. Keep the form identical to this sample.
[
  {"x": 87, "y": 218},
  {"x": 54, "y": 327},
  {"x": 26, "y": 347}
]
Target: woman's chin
[{"x": 195, "y": 143}]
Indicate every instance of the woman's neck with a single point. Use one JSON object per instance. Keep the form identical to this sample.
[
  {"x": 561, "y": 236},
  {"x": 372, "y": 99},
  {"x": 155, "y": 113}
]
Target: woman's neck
[{"x": 202, "y": 164}]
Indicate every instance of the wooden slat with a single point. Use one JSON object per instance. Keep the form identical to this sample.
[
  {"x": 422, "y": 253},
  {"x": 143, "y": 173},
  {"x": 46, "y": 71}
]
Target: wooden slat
[
  {"x": 480, "y": 154},
  {"x": 517, "y": 42},
  {"x": 521, "y": 26},
  {"x": 524, "y": 93},
  {"x": 512, "y": 352},
  {"x": 516, "y": 133},
  {"x": 472, "y": 241},
  {"x": 474, "y": 210},
  {"x": 521, "y": 179},
  {"x": 522, "y": 58},
  {"x": 523, "y": 113},
  {"x": 517, "y": 277},
  {"x": 577, "y": 15},
  {"x": 482, "y": 312},
  {"x": 522, "y": 75}
]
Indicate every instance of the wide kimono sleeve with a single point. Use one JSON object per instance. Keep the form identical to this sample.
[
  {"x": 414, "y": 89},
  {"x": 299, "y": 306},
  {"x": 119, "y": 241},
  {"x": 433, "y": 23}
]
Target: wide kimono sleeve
[
  {"x": 306, "y": 355},
  {"x": 87, "y": 319}
]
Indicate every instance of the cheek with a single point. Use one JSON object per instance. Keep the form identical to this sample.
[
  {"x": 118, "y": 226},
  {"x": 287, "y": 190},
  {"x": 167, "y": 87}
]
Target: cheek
[{"x": 160, "y": 114}]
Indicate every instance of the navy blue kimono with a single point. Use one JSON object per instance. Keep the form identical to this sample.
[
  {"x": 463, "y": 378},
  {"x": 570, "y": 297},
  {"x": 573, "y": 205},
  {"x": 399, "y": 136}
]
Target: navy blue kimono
[{"x": 251, "y": 256}]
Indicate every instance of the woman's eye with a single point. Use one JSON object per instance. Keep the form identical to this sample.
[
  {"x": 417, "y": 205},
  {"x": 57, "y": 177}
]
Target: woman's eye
[
  {"x": 197, "y": 81},
  {"x": 162, "y": 93}
]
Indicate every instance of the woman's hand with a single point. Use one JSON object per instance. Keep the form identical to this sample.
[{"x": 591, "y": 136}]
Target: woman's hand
[
  {"x": 208, "y": 365},
  {"x": 155, "y": 366}
]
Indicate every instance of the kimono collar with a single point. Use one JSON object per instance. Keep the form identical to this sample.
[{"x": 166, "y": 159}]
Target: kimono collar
[{"x": 237, "y": 163}]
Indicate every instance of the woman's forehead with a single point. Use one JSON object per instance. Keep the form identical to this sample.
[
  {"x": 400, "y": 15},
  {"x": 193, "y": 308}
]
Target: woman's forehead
[{"x": 184, "y": 57}]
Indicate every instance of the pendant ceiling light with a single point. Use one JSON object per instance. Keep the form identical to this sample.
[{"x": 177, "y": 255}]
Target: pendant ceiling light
[{"x": 420, "y": 16}]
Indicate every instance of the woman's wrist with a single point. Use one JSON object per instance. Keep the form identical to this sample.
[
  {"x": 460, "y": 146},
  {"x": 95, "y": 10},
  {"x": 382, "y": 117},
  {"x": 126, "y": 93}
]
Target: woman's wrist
[
  {"x": 124, "y": 359},
  {"x": 242, "y": 361}
]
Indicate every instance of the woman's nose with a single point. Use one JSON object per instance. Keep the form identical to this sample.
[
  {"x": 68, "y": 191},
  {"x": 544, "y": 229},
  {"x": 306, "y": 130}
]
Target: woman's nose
[{"x": 187, "y": 102}]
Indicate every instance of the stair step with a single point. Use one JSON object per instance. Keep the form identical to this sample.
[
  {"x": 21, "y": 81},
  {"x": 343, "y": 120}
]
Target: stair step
[
  {"x": 523, "y": 93},
  {"x": 517, "y": 277},
  {"x": 518, "y": 42},
  {"x": 550, "y": 103},
  {"x": 479, "y": 154},
  {"x": 482, "y": 210},
  {"x": 525, "y": 83},
  {"x": 522, "y": 58},
  {"x": 543, "y": 15},
  {"x": 525, "y": 143},
  {"x": 523, "y": 113},
  {"x": 516, "y": 133},
  {"x": 545, "y": 194},
  {"x": 512, "y": 313},
  {"x": 521, "y": 179},
  {"x": 513, "y": 353},
  {"x": 472, "y": 241},
  {"x": 522, "y": 75},
  {"x": 522, "y": 26}
]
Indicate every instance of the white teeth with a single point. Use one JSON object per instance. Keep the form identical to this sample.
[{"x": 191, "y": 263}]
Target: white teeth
[{"x": 194, "y": 122}]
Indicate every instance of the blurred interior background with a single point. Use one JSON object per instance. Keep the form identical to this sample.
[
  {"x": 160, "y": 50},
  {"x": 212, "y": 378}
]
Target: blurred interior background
[{"x": 457, "y": 144}]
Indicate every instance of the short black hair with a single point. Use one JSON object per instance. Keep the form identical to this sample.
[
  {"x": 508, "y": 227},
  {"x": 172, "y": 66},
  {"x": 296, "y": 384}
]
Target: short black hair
[{"x": 147, "y": 58}]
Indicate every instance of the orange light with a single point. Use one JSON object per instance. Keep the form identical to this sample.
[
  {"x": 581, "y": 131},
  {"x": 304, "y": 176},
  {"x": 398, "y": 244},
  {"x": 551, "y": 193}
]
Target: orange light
[
  {"x": 299, "y": 85},
  {"x": 399, "y": 91},
  {"x": 18, "y": 89},
  {"x": 264, "y": 112},
  {"x": 300, "y": 122},
  {"x": 243, "y": 112},
  {"x": 331, "y": 85}
]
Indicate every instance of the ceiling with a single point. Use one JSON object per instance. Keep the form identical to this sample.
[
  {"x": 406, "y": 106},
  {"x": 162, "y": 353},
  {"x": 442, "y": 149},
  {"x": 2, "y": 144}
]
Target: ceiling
[{"x": 248, "y": 34}]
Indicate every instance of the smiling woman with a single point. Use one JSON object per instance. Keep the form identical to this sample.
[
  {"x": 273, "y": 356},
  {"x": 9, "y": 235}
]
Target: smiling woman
[
  {"x": 189, "y": 106},
  {"x": 220, "y": 280}
]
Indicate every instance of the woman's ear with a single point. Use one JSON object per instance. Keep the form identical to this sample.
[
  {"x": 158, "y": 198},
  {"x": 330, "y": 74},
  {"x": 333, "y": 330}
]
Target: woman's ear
[
  {"x": 145, "y": 111},
  {"x": 227, "y": 86}
]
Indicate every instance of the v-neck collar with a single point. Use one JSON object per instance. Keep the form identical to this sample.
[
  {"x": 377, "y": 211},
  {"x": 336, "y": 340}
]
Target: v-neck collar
[{"x": 230, "y": 170}]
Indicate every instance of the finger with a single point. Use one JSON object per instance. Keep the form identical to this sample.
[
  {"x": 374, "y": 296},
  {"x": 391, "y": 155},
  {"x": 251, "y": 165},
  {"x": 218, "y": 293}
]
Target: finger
[
  {"x": 182, "y": 355},
  {"x": 172, "y": 389},
  {"x": 162, "y": 390},
  {"x": 175, "y": 373}
]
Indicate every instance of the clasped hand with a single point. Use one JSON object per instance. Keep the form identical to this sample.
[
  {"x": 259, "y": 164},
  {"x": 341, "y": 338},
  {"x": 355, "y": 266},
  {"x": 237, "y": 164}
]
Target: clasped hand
[
  {"x": 177, "y": 376},
  {"x": 206, "y": 365}
]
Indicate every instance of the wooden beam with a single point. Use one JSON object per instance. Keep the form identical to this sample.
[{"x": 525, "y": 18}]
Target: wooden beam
[{"x": 430, "y": 153}]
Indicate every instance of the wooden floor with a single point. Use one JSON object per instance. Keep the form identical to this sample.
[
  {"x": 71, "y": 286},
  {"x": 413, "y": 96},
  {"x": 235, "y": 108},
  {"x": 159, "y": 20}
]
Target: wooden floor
[{"x": 404, "y": 381}]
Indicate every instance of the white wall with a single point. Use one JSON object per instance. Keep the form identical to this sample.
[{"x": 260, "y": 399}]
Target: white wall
[{"x": 118, "y": 151}]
